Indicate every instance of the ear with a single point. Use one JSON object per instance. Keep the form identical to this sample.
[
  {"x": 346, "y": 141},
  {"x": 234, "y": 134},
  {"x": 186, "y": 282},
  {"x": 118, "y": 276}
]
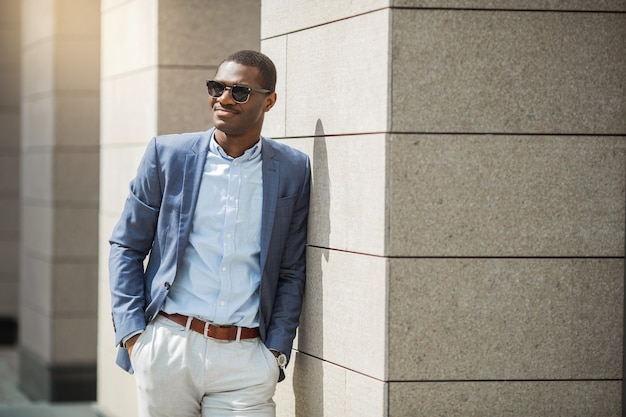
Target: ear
[{"x": 270, "y": 100}]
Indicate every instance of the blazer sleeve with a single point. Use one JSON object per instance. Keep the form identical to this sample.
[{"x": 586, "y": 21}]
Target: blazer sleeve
[
  {"x": 292, "y": 273},
  {"x": 131, "y": 242}
]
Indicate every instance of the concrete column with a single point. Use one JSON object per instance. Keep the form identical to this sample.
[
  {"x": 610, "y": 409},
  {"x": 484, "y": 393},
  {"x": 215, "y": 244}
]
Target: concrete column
[
  {"x": 10, "y": 49},
  {"x": 467, "y": 228},
  {"x": 59, "y": 198},
  {"x": 156, "y": 56}
]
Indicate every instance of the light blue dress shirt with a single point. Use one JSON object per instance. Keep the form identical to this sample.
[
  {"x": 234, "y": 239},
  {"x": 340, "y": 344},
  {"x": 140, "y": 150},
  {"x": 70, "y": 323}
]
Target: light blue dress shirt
[{"x": 220, "y": 274}]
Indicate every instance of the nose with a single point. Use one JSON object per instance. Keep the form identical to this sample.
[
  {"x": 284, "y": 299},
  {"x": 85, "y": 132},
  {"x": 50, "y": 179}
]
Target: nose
[{"x": 226, "y": 96}]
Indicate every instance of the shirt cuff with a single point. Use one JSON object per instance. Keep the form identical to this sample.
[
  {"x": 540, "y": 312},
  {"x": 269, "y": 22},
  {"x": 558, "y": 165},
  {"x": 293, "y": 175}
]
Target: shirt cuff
[{"x": 127, "y": 338}]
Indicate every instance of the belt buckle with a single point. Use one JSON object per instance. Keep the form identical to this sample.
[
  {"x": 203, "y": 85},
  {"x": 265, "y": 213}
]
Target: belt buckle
[
  {"x": 236, "y": 336},
  {"x": 206, "y": 329}
]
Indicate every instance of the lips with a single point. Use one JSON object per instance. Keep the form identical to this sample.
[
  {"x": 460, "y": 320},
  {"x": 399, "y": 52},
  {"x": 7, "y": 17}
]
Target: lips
[{"x": 224, "y": 111}]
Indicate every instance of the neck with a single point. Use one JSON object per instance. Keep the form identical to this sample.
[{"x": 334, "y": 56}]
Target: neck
[{"x": 235, "y": 146}]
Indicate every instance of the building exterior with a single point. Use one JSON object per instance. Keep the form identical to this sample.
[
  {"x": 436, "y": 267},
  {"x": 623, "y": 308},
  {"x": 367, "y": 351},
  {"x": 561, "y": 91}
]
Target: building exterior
[
  {"x": 10, "y": 31},
  {"x": 466, "y": 248},
  {"x": 51, "y": 210}
]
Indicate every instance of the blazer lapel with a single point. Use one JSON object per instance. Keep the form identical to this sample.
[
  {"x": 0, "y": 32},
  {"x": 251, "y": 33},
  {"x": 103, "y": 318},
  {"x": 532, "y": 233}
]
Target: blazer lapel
[
  {"x": 271, "y": 181},
  {"x": 192, "y": 176}
]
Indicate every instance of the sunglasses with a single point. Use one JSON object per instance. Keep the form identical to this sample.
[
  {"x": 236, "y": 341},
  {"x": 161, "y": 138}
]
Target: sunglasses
[{"x": 240, "y": 93}]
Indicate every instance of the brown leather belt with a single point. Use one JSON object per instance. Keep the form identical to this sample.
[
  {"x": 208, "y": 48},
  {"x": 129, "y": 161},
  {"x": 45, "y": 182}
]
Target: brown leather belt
[{"x": 213, "y": 331}]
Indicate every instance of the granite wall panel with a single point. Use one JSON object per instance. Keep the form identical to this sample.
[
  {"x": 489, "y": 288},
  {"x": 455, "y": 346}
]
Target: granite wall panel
[
  {"x": 506, "y": 399},
  {"x": 343, "y": 319},
  {"x": 505, "y": 319},
  {"x": 534, "y": 5},
  {"x": 337, "y": 76},
  {"x": 348, "y": 196},
  {"x": 467, "y": 195},
  {"x": 508, "y": 72},
  {"x": 183, "y": 101},
  {"x": 129, "y": 108},
  {"x": 317, "y": 388},
  {"x": 188, "y": 31},
  {"x": 280, "y": 17}
]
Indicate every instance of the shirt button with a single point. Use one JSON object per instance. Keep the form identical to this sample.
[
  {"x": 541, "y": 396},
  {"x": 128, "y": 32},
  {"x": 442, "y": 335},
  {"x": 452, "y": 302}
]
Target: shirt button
[
  {"x": 231, "y": 198},
  {"x": 228, "y": 235},
  {"x": 224, "y": 269},
  {"x": 222, "y": 303}
]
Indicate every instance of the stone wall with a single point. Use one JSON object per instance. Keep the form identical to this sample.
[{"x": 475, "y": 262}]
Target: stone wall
[
  {"x": 59, "y": 187},
  {"x": 10, "y": 53},
  {"x": 467, "y": 228},
  {"x": 466, "y": 235}
]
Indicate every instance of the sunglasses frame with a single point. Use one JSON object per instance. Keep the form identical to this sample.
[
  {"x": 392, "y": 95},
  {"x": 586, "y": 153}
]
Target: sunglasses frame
[{"x": 238, "y": 86}]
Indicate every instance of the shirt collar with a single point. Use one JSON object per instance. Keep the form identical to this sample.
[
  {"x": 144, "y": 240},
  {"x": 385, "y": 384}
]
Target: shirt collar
[{"x": 248, "y": 155}]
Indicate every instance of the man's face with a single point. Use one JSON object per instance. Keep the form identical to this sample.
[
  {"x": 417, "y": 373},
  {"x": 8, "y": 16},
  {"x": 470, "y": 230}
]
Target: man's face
[{"x": 240, "y": 119}]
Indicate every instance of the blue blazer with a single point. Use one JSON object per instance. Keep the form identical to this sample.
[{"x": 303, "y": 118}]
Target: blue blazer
[{"x": 157, "y": 220}]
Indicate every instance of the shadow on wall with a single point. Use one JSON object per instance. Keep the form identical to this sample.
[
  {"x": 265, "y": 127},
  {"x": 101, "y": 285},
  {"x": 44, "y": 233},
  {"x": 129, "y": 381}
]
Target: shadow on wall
[{"x": 308, "y": 378}]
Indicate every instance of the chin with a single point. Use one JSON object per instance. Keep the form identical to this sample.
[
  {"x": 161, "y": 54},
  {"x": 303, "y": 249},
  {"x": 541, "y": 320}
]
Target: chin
[
  {"x": 223, "y": 127},
  {"x": 219, "y": 124}
]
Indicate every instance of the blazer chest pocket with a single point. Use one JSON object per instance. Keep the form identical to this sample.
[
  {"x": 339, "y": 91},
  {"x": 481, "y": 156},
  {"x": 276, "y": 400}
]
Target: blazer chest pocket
[{"x": 284, "y": 211}]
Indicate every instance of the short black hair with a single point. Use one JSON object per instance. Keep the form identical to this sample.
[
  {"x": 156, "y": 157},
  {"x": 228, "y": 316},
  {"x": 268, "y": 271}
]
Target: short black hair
[{"x": 266, "y": 67}]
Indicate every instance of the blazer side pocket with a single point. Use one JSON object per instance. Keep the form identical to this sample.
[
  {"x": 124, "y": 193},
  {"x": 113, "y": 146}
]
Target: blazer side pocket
[{"x": 286, "y": 201}]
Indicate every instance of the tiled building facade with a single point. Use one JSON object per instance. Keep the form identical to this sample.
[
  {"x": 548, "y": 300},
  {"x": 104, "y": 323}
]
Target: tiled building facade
[{"x": 466, "y": 247}]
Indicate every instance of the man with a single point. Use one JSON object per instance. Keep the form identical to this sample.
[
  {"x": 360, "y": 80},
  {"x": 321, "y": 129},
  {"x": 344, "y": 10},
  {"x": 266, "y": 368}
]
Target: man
[{"x": 208, "y": 324}]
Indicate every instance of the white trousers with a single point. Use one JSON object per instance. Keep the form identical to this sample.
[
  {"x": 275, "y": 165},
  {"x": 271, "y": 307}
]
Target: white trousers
[{"x": 180, "y": 373}]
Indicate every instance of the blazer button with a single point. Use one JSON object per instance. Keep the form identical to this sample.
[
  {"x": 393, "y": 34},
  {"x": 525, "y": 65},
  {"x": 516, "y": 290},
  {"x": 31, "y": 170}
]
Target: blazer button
[{"x": 167, "y": 286}]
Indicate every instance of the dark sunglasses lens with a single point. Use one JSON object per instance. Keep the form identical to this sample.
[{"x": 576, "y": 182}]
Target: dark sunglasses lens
[
  {"x": 216, "y": 89},
  {"x": 240, "y": 93}
]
